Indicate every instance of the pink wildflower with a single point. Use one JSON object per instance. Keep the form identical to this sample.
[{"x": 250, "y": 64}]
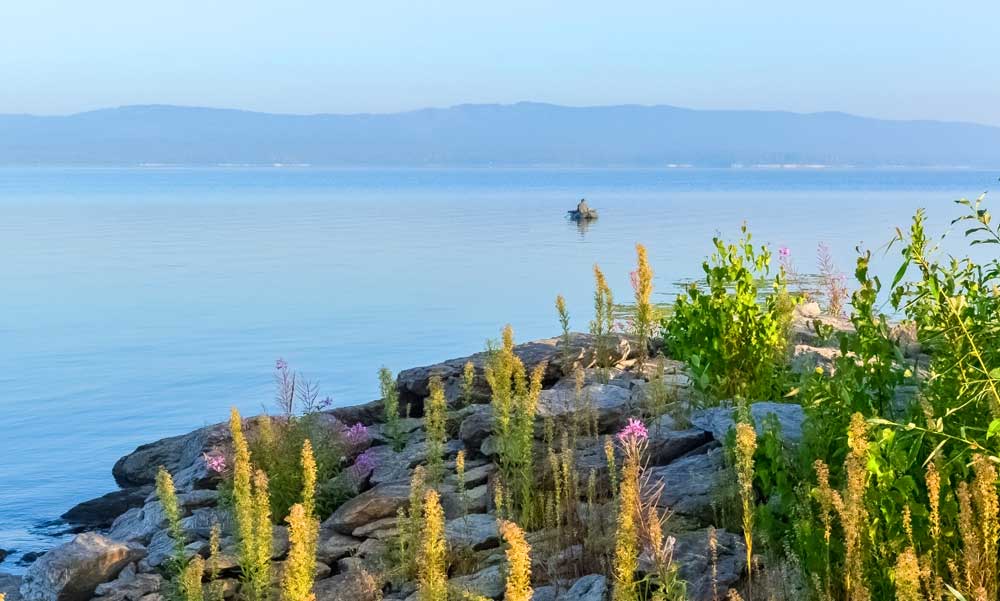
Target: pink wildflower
[
  {"x": 215, "y": 462},
  {"x": 357, "y": 435},
  {"x": 634, "y": 431}
]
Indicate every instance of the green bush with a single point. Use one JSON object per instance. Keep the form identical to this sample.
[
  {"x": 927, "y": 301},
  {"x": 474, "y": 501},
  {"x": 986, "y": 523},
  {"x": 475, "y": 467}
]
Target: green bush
[{"x": 730, "y": 330}]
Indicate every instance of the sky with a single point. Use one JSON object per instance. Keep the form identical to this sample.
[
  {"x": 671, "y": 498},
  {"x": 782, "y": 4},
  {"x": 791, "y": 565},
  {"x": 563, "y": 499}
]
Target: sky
[{"x": 912, "y": 60}]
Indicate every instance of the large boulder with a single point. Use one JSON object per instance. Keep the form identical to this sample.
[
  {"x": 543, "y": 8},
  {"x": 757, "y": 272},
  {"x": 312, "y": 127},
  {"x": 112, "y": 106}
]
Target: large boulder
[
  {"x": 333, "y": 546},
  {"x": 476, "y": 531},
  {"x": 476, "y": 426},
  {"x": 181, "y": 455},
  {"x": 692, "y": 485},
  {"x": 489, "y": 582},
  {"x": 101, "y": 512},
  {"x": 720, "y": 420},
  {"x": 129, "y": 586},
  {"x": 377, "y": 503},
  {"x": 355, "y": 585},
  {"x": 413, "y": 383},
  {"x": 593, "y": 587},
  {"x": 72, "y": 571},
  {"x": 693, "y": 556},
  {"x": 10, "y": 586},
  {"x": 612, "y": 403}
]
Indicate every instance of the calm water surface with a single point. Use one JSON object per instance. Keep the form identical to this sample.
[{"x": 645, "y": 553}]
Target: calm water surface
[{"x": 142, "y": 303}]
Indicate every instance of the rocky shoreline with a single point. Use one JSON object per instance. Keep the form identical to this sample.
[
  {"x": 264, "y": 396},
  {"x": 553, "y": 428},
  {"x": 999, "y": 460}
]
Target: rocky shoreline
[{"x": 122, "y": 543}]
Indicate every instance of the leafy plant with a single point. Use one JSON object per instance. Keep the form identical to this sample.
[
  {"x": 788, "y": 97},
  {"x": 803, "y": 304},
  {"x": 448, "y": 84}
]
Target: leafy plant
[
  {"x": 390, "y": 409},
  {"x": 734, "y": 340},
  {"x": 515, "y": 402}
]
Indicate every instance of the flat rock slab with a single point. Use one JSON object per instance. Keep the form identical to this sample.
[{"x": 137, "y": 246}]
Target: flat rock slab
[
  {"x": 693, "y": 559},
  {"x": 72, "y": 571},
  {"x": 476, "y": 531},
  {"x": 375, "y": 504},
  {"x": 101, "y": 512},
  {"x": 612, "y": 403},
  {"x": 10, "y": 586},
  {"x": 348, "y": 586},
  {"x": 489, "y": 583},
  {"x": 720, "y": 420},
  {"x": 413, "y": 383},
  {"x": 692, "y": 485}
]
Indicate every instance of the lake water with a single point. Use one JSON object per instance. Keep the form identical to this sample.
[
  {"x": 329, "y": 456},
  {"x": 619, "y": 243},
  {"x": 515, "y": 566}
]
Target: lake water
[{"x": 141, "y": 303}]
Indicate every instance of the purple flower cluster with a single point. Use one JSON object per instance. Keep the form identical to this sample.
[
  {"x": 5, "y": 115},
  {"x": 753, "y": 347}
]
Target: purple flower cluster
[
  {"x": 634, "y": 431},
  {"x": 215, "y": 462},
  {"x": 364, "y": 464},
  {"x": 357, "y": 435}
]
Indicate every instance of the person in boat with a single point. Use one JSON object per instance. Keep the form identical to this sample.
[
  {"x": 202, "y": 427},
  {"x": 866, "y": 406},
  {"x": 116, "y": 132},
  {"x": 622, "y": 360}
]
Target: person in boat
[{"x": 581, "y": 208}]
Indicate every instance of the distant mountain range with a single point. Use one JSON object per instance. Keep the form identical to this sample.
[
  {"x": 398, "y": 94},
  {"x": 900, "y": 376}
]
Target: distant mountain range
[{"x": 523, "y": 134}]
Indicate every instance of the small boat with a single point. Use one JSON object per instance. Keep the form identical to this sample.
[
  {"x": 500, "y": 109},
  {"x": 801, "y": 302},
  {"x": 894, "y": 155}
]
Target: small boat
[{"x": 582, "y": 212}]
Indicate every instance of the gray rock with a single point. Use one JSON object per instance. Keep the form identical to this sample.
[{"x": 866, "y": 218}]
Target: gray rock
[
  {"x": 693, "y": 484},
  {"x": 161, "y": 548},
  {"x": 377, "y": 503},
  {"x": 129, "y": 586},
  {"x": 666, "y": 445},
  {"x": 412, "y": 383},
  {"x": 333, "y": 546},
  {"x": 803, "y": 330},
  {"x": 348, "y": 586},
  {"x": 720, "y": 420},
  {"x": 476, "y": 426},
  {"x": 10, "y": 586},
  {"x": 180, "y": 455},
  {"x": 380, "y": 529},
  {"x": 72, "y": 571},
  {"x": 612, "y": 403},
  {"x": 201, "y": 520},
  {"x": 548, "y": 592},
  {"x": 139, "y": 524},
  {"x": 593, "y": 587},
  {"x": 368, "y": 413},
  {"x": 489, "y": 582},
  {"x": 30, "y": 557},
  {"x": 476, "y": 531},
  {"x": 392, "y": 467},
  {"x": 807, "y": 358},
  {"x": 474, "y": 476},
  {"x": 99, "y": 513},
  {"x": 693, "y": 558}
]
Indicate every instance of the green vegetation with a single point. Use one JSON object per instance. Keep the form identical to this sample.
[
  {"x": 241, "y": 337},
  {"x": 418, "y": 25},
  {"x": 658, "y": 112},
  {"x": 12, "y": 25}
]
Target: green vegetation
[
  {"x": 889, "y": 492},
  {"x": 515, "y": 399},
  {"x": 734, "y": 343}
]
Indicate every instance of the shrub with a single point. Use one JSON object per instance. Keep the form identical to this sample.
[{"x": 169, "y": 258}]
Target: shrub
[
  {"x": 390, "y": 409},
  {"x": 297, "y": 578},
  {"x": 515, "y": 401},
  {"x": 167, "y": 496},
  {"x": 603, "y": 324},
  {"x": 642, "y": 284},
  {"x": 191, "y": 587},
  {"x": 433, "y": 559},
  {"x": 468, "y": 382},
  {"x": 518, "y": 587},
  {"x": 252, "y": 509},
  {"x": 734, "y": 340},
  {"x": 435, "y": 422},
  {"x": 626, "y": 560},
  {"x": 746, "y": 446}
]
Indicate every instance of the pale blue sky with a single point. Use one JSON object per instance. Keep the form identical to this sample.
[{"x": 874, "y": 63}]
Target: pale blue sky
[{"x": 936, "y": 60}]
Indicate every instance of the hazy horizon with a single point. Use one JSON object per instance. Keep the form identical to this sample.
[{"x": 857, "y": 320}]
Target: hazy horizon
[
  {"x": 923, "y": 62},
  {"x": 735, "y": 109}
]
